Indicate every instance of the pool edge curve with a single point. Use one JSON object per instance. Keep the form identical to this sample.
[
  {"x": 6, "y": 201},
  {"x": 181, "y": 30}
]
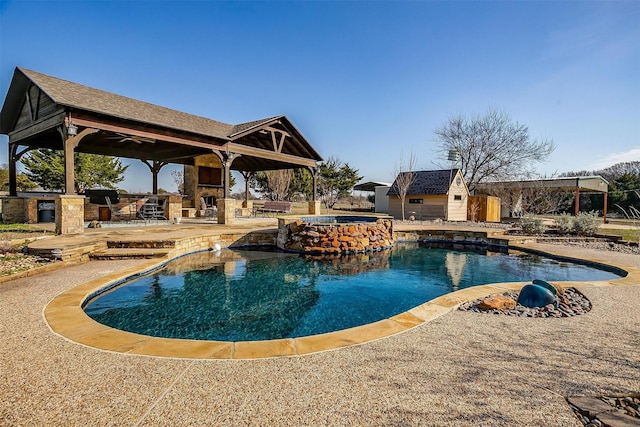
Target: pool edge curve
[{"x": 65, "y": 317}]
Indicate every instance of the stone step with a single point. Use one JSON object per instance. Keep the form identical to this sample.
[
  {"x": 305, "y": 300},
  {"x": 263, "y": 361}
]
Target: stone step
[
  {"x": 123, "y": 253},
  {"x": 142, "y": 244}
]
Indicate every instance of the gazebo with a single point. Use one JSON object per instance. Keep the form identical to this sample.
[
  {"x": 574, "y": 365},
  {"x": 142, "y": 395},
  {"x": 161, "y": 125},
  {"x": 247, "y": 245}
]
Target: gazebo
[{"x": 42, "y": 111}]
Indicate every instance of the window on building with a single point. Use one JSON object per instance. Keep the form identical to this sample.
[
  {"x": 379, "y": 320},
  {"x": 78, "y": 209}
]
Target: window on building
[
  {"x": 209, "y": 176},
  {"x": 457, "y": 197},
  {"x": 416, "y": 201}
]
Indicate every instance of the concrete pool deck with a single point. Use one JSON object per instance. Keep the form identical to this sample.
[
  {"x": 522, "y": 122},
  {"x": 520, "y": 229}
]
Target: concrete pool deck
[{"x": 460, "y": 368}]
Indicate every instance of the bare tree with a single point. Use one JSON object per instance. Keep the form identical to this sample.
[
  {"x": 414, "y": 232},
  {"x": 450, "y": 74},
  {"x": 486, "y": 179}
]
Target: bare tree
[
  {"x": 492, "y": 147},
  {"x": 405, "y": 176},
  {"x": 533, "y": 199},
  {"x": 279, "y": 182},
  {"x": 178, "y": 179},
  {"x": 474, "y": 209}
]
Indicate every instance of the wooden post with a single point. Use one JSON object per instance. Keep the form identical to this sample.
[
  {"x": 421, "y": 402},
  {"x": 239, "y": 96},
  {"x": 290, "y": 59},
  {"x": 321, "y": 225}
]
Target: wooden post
[
  {"x": 577, "y": 205},
  {"x": 69, "y": 166},
  {"x": 247, "y": 179},
  {"x": 70, "y": 143},
  {"x": 314, "y": 177},
  {"x": 154, "y": 167},
  {"x": 13, "y": 185},
  {"x": 604, "y": 206},
  {"x": 226, "y": 166}
]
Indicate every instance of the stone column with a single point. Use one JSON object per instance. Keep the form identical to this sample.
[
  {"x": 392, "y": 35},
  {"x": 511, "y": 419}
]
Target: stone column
[
  {"x": 226, "y": 211},
  {"x": 173, "y": 207},
  {"x": 69, "y": 214},
  {"x": 314, "y": 207}
]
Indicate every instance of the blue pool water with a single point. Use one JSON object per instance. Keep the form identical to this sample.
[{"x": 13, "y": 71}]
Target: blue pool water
[{"x": 256, "y": 295}]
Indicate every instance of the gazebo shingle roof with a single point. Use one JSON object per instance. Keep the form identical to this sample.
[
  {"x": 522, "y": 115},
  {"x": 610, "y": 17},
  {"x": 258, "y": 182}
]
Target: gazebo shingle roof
[
  {"x": 176, "y": 137},
  {"x": 82, "y": 97},
  {"x": 428, "y": 182}
]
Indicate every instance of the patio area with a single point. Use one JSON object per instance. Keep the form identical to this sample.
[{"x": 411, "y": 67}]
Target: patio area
[{"x": 500, "y": 371}]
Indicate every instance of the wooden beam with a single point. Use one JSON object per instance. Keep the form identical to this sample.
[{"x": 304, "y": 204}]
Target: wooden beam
[
  {"x": 270, "y": 129},
  {"x": 75, "y": 140},
  {"x": 32, "y": 114},
  {"x": 281, "y": 143},
  {"x": 143, "y": 134},
  {"x": 253, "y": 129},
  {"x": 266, "y": 154},
  {"x": 40, "y": 126}
]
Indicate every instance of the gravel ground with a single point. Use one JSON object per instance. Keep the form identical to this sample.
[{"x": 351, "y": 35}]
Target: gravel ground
[
  {"x": 570, "y": 303},
  {"x": 11, "y": 263},
  {"x": 606, "y": 246},
  {"x": 460, "y": 369}
]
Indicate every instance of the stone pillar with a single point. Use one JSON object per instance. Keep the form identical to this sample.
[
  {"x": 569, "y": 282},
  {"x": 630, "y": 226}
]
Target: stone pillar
[
  {"x": 31, "y": 211},
  {"x": 69, "y": 214},
  {"x": 314, "y": 207},
  {"x": 173, "y": 207},
  {"x": 226, "y": 211}
]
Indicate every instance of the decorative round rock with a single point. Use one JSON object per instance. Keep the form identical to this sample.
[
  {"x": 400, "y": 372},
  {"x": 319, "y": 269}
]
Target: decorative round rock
[{"x": 536, "y": 296}]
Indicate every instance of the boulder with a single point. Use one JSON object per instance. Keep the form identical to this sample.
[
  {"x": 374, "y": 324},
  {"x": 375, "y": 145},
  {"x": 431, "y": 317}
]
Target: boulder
[{"x": 497, "y": 302}]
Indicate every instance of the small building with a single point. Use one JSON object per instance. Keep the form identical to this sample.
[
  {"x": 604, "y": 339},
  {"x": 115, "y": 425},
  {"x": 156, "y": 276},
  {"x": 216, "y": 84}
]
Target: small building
[
  {"x": 439, "y": 194},
  {"x": 381, "y": 200}
]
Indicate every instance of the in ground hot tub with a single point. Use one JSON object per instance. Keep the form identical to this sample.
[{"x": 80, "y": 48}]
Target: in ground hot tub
[{"x": 335, "y": 234}]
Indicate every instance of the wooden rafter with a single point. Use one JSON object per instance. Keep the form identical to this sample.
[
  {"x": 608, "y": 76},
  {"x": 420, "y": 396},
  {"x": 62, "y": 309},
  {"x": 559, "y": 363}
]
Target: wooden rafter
[
  {"x": 140, "y": 133},
  {"x": 277, "y": 146},
  {"x": 265, "y": 154}
]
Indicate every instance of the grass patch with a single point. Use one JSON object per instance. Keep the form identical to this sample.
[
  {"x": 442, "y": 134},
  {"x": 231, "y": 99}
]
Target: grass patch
[
  {"x": 631, "y": 235},
  {"x": 14, "y": 237},
  {"x": 19, "y": 228}
]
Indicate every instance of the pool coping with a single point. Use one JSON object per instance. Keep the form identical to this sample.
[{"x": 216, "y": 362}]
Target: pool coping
[{"x": 65, "y": 317}]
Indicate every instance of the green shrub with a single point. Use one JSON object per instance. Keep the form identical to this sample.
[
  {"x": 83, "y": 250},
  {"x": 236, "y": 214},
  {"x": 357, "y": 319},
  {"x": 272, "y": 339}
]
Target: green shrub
[
  {"x": 532, "y": 226},
  {"x": 564, "y": 224},
  {"x": 586, "y": 224}
]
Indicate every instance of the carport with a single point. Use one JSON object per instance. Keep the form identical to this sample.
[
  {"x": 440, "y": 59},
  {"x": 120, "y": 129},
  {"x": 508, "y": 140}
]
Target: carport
[{"x": 575, "y": 184}]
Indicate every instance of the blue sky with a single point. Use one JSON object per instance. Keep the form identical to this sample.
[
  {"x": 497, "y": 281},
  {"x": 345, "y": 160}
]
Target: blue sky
[{"x": 361, "y": 80}]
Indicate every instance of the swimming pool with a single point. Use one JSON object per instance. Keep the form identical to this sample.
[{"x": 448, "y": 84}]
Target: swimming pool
[{"x": 256, "y": 295}]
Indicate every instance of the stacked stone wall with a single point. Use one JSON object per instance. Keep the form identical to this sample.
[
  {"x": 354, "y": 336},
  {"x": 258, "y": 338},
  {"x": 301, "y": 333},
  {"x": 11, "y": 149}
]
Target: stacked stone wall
[
  {"x": 299, "y": 236},
  {"x": 13, "y": 209}
]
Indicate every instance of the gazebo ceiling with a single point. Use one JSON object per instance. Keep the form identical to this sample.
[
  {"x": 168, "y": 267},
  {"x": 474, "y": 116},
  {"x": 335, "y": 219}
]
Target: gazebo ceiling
[{"x": 38, "y": 108}]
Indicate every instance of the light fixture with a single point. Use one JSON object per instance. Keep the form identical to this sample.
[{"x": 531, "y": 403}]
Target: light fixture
[{"x": 72, "y": 130}]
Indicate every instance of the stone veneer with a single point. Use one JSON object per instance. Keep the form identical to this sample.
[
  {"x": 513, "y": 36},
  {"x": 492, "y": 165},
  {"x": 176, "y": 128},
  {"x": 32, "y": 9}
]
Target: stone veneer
[
  {"x": 69, "y": 214},
  {"x": 335, "y": 235}
]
